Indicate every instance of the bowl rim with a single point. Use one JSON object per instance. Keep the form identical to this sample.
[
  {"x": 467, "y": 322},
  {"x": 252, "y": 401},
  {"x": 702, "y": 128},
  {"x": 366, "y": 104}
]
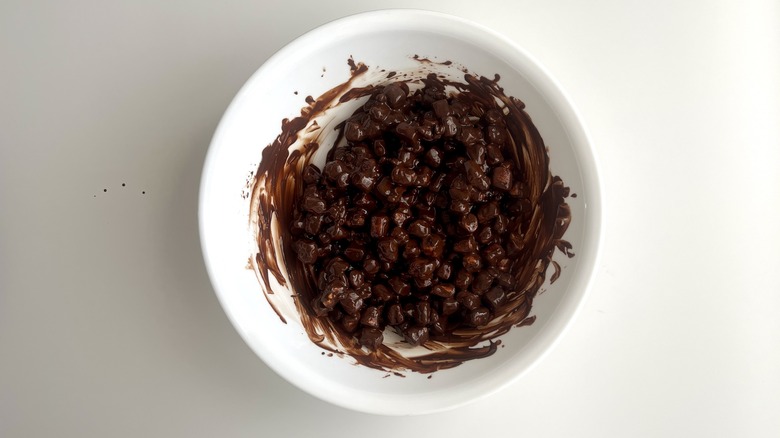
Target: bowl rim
[{"x": 570, "y": 117}]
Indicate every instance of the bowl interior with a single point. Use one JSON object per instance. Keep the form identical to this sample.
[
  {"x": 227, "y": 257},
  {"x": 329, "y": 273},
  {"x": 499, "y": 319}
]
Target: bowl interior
[{"x": 313, "y": 64}]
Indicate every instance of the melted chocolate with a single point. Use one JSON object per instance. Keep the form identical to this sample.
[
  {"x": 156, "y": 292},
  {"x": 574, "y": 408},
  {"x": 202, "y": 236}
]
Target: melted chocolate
[{"x": 278, "y": 187}]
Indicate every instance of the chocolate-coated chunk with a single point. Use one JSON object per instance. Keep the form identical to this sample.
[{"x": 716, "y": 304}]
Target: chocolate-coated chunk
[
  {"x": 468, "y": 300},
  {"x": 469, "y": 135},
  {"x": 495, "y": 134},
  {"x": 379, "y": 148},
  {"x": 354, "y": 253},
  {"x": 476, "y": 152},
  {"x": 495, "y": 297},
  {"x": 357, "y": 277},
  {"x": 465, "y": 245},
  {"x": 408, "y": 131},
  {"x": 416, "y": 335},
  {"x": 337, "y": 232},
  {"x": 395, "y": 315},
  {"x": 363, "y": 181},
  {"x": 401, "y": 215},
  {"x": 306, "y": 250},
  {"x": 433, "y": 157},
  {"x": 380, "y": 225},
  {"x": 411, "y": 250},
  {"x": 422, "y": 284},
  {"x": 371, "y": 266},
  {"x": 444, "y": 290},
  {"x": 461, "y": 207},
  {"x": 500, "y": 224},
  {"x": 472, "y": 262},
  {"x": 450, "y": 127},
  {"x": 423, "y": 177},
  {"x": 487, "y": 212},
  {"x": 420, "y": 228},
  {"x": 441, "y": 108},
  {"x": 388, "y": 249},
  {"x": 463, "y": 279},
  {"x": 350, "y": 322},
  {"x": 351, "y": 303},
  {"x": 449, "y": 306},
  {"x": 478, "y": 317},
  {"x": 445, "y": 271},
  {"x": 493, "y": 254},
  {"x": 371, "y": 338},
  {"x": 437, "y": 183},
  {"x": 400, "y": 235},
  {"x": 422, "y": 312},
  {"x": 494, "y": 155},
  {"x": 422, "y": 268},
  {"x": 396, "y": 96},
  {"x": 469, "y": 223},
  {"x": 385, "y": 186},
  {"x": 357, "y": 218},
  {"x": 504, "y": 279},
  {"x": 475, "y": 175},
  {"x": 336, "y": 267},
  {"x": 311, "y": 174},
  {"x": 482, "y": 282},
  {"x": 485, "y": 235},
  {"x": 312, "y": 223},
  {"x": 403, "y": 175},
  {"x": 379, "y": 112},
  {"x": 502, "y": 178},
  {"x": 313, "y": 204},
  {"x": 334, "y": 168},
  {"x": 427, "y": 213},
  {"x": 365, "y": 201},
  {"x": 370, "y": 317},
  {"x": 382, "y": 292},
  {"x": 399, "y": 286}
]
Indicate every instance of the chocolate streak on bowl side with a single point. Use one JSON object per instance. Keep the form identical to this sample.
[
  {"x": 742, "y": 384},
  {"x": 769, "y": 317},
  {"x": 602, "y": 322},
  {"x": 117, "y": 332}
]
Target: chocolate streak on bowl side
[{"x": 279, "y": 186}]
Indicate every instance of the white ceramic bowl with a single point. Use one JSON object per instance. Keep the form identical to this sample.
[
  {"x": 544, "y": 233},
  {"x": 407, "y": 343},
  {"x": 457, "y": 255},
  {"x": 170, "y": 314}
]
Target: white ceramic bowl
[{"x": 311, "y": 65}]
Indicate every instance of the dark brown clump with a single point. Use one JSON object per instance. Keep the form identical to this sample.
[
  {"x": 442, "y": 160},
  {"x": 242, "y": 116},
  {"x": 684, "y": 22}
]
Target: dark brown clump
[{"x": 411, "y": 224}]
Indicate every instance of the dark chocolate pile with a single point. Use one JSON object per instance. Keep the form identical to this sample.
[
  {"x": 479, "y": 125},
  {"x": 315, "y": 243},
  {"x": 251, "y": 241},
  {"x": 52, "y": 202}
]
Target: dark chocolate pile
[
  {"x": 437, "y": 217},
  {"x": 417, "y": 222}
]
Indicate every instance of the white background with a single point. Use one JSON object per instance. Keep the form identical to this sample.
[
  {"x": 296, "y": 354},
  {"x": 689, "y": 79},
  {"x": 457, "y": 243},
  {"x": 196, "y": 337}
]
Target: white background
[{"x": 108, "y": 323}]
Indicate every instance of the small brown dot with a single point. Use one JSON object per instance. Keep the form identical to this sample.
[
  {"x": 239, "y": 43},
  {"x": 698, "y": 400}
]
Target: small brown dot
[
  {"x": 143, "y": 193},
  {"x": 123, "y": 184},
  {"x": 295, "y": 93},
  {"x": 105, "y": 190}
]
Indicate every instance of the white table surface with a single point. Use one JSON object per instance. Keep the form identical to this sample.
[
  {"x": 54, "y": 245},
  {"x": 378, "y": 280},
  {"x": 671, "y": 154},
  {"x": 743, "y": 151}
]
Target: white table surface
[{"x": 109, "y": 326}]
